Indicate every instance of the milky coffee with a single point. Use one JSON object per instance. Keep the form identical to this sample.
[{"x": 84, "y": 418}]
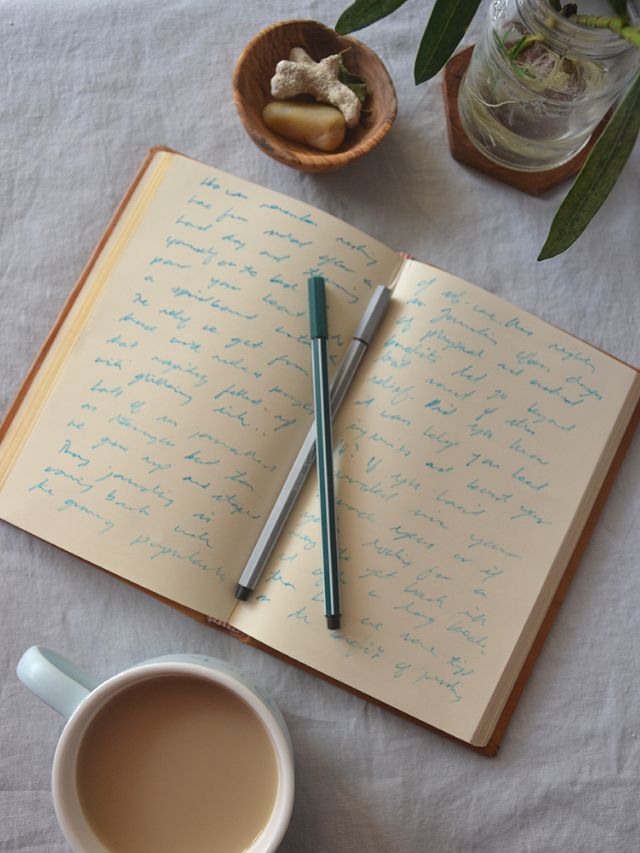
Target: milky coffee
[{"x": 176, "y": 763}]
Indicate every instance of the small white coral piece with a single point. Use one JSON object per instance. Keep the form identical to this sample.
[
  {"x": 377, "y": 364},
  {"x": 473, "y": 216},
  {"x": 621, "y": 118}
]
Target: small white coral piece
[{"x": 301, "y": 75}]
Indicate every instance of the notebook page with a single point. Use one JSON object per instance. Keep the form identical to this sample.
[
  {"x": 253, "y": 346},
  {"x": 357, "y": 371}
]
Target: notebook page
[
  {"x": 462, "y": 453},
  {"x": 177, "y": 394}
]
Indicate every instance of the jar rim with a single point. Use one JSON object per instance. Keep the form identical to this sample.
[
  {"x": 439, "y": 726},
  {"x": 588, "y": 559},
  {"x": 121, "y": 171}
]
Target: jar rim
[{"x": 560, "y": 32}]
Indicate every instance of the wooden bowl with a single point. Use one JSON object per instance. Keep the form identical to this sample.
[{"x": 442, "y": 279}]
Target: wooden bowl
[{"x": 251, "y": 92}]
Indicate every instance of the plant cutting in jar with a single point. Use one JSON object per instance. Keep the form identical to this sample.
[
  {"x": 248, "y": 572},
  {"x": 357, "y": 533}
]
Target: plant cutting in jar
[{"x": 536, "y": 88}]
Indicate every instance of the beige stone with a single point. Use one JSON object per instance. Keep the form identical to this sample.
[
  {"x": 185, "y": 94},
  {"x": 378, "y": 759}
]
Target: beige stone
[{"x": 319, "y": 125}]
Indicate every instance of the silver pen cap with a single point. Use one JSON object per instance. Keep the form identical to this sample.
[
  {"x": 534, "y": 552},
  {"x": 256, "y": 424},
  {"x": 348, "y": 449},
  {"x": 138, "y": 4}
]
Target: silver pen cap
[{"x": 373, "y": 314}]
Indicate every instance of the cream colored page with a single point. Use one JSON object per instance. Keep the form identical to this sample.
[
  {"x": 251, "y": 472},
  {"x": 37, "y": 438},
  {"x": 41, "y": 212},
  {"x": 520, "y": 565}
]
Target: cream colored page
[
  {"x": 174, "y": 409},
  {"x": 462, "y": 452}
]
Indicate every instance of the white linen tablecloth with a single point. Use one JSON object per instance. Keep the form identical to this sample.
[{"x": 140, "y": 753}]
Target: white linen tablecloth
[{"x": 86, "y": 87}]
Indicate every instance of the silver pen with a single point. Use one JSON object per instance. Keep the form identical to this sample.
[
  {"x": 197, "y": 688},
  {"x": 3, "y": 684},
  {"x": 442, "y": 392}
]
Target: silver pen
[{"x": 303, "y": 463}]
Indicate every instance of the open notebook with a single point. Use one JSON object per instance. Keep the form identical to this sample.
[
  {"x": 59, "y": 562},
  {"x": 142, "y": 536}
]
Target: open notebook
[{"x": 472, "y": 452}]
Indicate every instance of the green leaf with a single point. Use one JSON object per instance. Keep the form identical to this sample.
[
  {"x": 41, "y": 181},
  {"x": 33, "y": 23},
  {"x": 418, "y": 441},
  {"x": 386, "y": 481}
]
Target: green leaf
[
  {"x": 522, "y": 44},
  {"x": 597, "y": 177},
  {"x": 445, "y": 29},
  {"x": 357, "y": 85},
  {"x": 365, "y": 12},
  {"x": 518, "y": 47}
]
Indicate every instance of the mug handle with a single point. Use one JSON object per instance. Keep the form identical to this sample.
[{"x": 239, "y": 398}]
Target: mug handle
[{"x": 59, "y": 683}]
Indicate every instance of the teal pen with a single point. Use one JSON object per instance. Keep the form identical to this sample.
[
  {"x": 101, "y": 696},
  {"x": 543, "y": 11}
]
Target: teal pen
[
  {"x": 324, "y": 449},
  {"x": 292, "y": 486}
]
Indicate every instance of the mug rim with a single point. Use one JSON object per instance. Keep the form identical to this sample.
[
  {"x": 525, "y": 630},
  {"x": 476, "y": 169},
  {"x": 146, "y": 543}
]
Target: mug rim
[{"x": 66, "y": 801}]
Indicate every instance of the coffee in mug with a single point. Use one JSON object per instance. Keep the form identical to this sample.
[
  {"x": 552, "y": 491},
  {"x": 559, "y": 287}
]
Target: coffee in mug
[
  {"x": 179, "y": 754},
  {"x": 176, "y": 763}
]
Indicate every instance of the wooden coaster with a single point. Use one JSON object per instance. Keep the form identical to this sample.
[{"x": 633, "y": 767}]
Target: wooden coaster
[{"x": 464, "y": 151}]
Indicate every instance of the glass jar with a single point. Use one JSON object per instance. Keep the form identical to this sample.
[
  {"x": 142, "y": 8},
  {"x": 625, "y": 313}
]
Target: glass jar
[{"x": 538, "y": 84}]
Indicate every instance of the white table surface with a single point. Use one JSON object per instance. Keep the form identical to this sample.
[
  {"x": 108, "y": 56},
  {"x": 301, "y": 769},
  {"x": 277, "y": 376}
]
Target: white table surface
[{"x": 86, "y": 86}]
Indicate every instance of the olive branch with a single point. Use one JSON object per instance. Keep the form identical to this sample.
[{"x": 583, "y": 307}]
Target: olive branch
[{"x": 445, "y": 28}]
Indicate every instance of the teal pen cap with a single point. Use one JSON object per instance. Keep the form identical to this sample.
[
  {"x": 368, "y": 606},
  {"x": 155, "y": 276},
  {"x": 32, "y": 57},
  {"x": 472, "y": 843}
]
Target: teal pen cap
[{"x": 317, "y": 307}]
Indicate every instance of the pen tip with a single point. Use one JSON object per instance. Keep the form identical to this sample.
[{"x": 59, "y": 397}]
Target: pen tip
[
  {"x": 242, "y": 592},
  {"x": 333, "y": 622}
]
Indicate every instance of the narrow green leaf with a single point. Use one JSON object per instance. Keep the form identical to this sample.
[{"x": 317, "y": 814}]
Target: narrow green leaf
[
  {"x": 597, "y": 177},
  {"x": 517, "y": 48},
  {"x": 523, "y": 44},
  {"x": 445, "y": 29},
  {"x": 364, "y": 12}
]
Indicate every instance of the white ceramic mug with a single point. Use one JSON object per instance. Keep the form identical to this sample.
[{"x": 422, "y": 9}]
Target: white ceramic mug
[{"x": 78, "y": 696}]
